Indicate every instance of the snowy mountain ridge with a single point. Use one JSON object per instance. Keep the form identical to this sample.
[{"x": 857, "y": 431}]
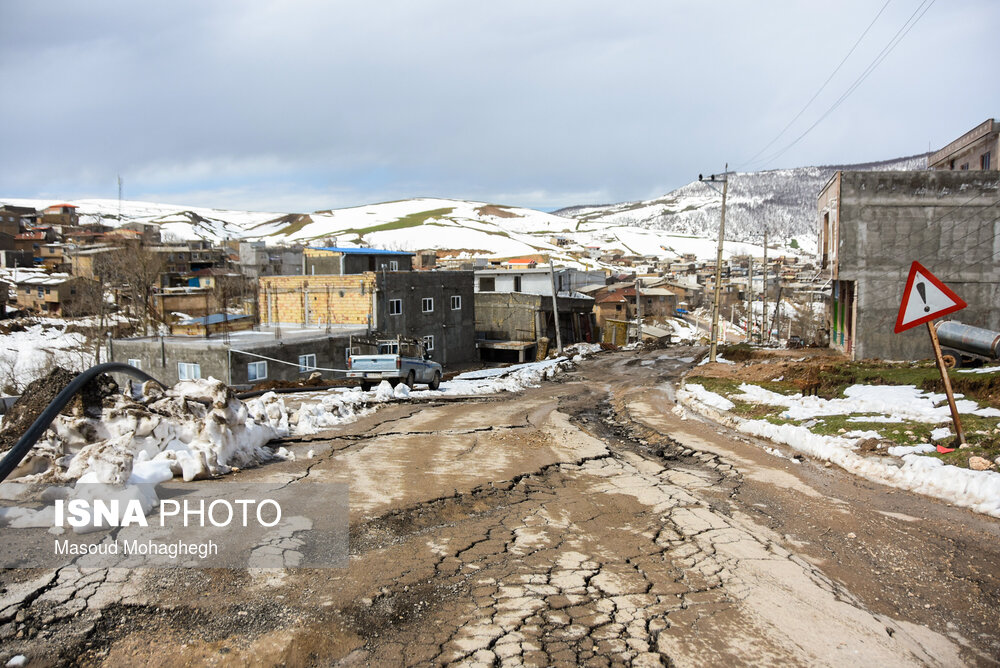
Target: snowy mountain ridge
[
  {"x": 782, "y": 201},
  {"x": 683, "y": 221}
]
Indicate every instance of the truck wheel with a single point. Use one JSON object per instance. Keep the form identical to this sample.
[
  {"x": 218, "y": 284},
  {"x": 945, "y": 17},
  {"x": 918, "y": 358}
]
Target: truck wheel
[
  {"x": 952, "y": 358},
  {"x": 411, "y": 379},
  {"x": 435, "y": 381},
  {"x": 365, "y": 386}
]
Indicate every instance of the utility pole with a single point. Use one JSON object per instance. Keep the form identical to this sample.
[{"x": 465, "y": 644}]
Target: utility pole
[
  {"x": 763, "y": 321},
  {"x": 638, "y": 305},
  {"x": 555, "y": 306},
  {"x": 749, "y": 330},
  {"x": 119, "y": 199},
  {"x": 713, "y": 349}
]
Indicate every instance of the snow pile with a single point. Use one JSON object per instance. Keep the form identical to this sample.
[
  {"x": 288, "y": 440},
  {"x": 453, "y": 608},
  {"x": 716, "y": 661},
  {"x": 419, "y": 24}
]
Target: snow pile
[
  {"x": 977, "y": 490},
  {"x": 904, "y": 402},
  {"x": 509, "y": 379},
  {"x": 196, "y": 429},
  {"x": 709, "y": 398}
]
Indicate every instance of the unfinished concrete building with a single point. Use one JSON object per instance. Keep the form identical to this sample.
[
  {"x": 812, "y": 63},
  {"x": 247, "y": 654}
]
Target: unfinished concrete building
[
  {"x": 978, "y": 148},
  {"x": 873, "y": 225}
]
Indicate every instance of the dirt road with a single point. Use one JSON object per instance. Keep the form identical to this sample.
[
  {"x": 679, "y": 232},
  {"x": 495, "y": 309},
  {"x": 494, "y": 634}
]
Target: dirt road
[{"x": 582, "y": 522}]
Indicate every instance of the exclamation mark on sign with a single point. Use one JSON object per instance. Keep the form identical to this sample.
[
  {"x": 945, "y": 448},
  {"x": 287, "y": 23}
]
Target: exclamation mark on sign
[{"x": 922, "y": 289}]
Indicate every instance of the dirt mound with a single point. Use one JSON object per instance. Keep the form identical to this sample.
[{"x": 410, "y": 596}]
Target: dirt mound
[
  {"x": 40, "y": 393},
  {"x": 318, "y": 383}
]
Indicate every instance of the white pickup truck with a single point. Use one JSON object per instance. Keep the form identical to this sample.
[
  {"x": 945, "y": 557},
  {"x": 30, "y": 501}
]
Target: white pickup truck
[{"x": 395, "y": 360}]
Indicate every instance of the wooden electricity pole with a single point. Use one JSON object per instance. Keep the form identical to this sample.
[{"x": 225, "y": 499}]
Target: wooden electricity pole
[
  {"x": 718, "y": 270},
  {"x": 763, "y": 320},
  {"x": 749, "y": 331},
  {"x": 555, "y": 306}
]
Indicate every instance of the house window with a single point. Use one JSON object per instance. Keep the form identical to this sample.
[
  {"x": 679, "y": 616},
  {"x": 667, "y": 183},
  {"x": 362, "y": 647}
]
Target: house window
[
  {"x": 965, "y": 166},
  {"x": 395, "y": 306},
  {"x": 517, "y": 284},
  {"x": 428, "y": 343},
  {"x": 427, "y": 305},
  {"x": 188, "y": 371},
  {"x": 393, "y": 265},
  {"x": 307, "y": 363},
  {"x": 984, "y": 161},
  {"x": 456, "y": 302},
  {"x": 41, "y": 293},
  {"x": 256, "y": 370},
  {"x": 487, "y": 284},
  {"x": 136, "y": 363}
]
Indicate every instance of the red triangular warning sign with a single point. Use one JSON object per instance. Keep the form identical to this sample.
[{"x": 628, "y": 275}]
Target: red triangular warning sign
[{"x": 925, "y": 298}]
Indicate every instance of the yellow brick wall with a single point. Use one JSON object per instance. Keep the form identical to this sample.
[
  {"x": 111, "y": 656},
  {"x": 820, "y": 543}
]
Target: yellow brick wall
[{"x": 281, "y": 299}]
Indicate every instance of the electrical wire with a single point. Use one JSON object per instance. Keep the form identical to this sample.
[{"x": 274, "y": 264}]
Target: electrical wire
[
  {"x": 892, "y": 44},
  {"x": 821, "y": 88}
]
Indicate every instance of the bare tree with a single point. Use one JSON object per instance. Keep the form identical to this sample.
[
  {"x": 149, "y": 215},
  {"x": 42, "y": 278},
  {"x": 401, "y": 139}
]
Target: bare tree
[{"x": 134, "y": 271}]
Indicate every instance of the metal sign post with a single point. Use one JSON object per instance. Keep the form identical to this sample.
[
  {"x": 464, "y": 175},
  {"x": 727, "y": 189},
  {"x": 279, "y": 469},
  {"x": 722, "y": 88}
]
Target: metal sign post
[{"x": 925, "y": 298}]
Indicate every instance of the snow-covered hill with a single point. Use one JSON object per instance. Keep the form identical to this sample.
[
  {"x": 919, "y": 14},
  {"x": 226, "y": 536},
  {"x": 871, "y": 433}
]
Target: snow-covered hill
[
  {"x": 783, "y": 201},
  {"x": 683, "y": 221}
]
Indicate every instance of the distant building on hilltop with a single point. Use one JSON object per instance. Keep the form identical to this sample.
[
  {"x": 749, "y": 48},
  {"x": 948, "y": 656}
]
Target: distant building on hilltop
[{"x": 977, "y": 149}]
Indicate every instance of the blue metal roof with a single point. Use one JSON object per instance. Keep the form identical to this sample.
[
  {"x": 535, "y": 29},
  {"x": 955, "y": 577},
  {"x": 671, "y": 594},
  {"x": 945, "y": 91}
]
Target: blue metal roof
[
  {"x": 213, "y": 319},
  {"x": 360, "y": 251}
]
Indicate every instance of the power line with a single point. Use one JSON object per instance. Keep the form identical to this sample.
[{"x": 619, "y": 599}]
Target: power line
[
  {"x": 821, "y": 88},
  {"x": 883, "y": 54}
]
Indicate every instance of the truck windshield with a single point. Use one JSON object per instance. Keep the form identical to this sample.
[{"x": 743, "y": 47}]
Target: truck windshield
[{"x": 388, "y": 349}]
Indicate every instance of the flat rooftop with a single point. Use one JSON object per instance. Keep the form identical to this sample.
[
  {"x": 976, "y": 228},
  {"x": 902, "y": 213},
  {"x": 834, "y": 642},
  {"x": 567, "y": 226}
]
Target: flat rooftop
[{"x": 260, "y": 337}]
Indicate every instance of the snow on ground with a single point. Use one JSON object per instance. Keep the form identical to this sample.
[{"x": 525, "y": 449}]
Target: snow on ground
[
  {"x": 906, "y": 469},
  {"x": 33, "y": 352},
  {"x": 905, "y": 402},
  {"x": 199, "y": 429}
]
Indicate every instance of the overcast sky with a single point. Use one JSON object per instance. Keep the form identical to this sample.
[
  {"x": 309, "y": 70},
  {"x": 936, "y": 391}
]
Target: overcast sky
[{"x": 298, "y": 106}]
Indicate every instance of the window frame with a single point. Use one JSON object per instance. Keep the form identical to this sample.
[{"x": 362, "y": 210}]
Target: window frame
[
  {"x": 398, "y": 307},
  {"x": 256, "y": 376},
  {"x": 428, "y": 343},
  {"x": 456, "y": 302},
  {"x": 306, "y": 368},
  {"x": 185, "y": 369},
  {"x": 424, "y": 302},
  {"x": 137, "y": 363}
]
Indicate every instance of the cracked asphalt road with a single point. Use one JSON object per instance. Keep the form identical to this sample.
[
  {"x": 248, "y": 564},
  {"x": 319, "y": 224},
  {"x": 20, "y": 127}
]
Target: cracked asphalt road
[{"x": 581, "y": 522}]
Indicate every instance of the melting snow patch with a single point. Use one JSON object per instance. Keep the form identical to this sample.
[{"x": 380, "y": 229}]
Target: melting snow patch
[
  {"x": 977, "y": 490},
  {"x": 706, "y": 397}
]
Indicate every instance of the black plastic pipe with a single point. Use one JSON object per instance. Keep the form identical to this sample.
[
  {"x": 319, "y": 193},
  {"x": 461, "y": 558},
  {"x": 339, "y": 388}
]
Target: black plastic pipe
[{"x": 38, "y": 427}]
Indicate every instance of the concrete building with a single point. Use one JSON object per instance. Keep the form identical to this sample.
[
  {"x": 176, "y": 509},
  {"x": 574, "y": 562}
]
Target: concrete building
[
  {"x": 85, "y": 261},
  {"x": 258, "y": 259},
  {"x": 343, "y": 261},
  {"x": 54, "y": 294},
  {"x": 979, "y": 148},
  {"x": 514, "y": 327},
  {"x": 873, "y": 225},
  {"x": 10, "y": 218},
  {"x": 535, "y": 281},
  {"x": 60, "y": 214},
  {"x": 436, "y": 306},
  {"x": 239, "y": 359}
]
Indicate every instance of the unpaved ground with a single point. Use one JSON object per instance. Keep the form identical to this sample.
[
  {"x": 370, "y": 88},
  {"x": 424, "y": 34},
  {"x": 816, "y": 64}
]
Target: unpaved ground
[{"x": 579, "y": 522}]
